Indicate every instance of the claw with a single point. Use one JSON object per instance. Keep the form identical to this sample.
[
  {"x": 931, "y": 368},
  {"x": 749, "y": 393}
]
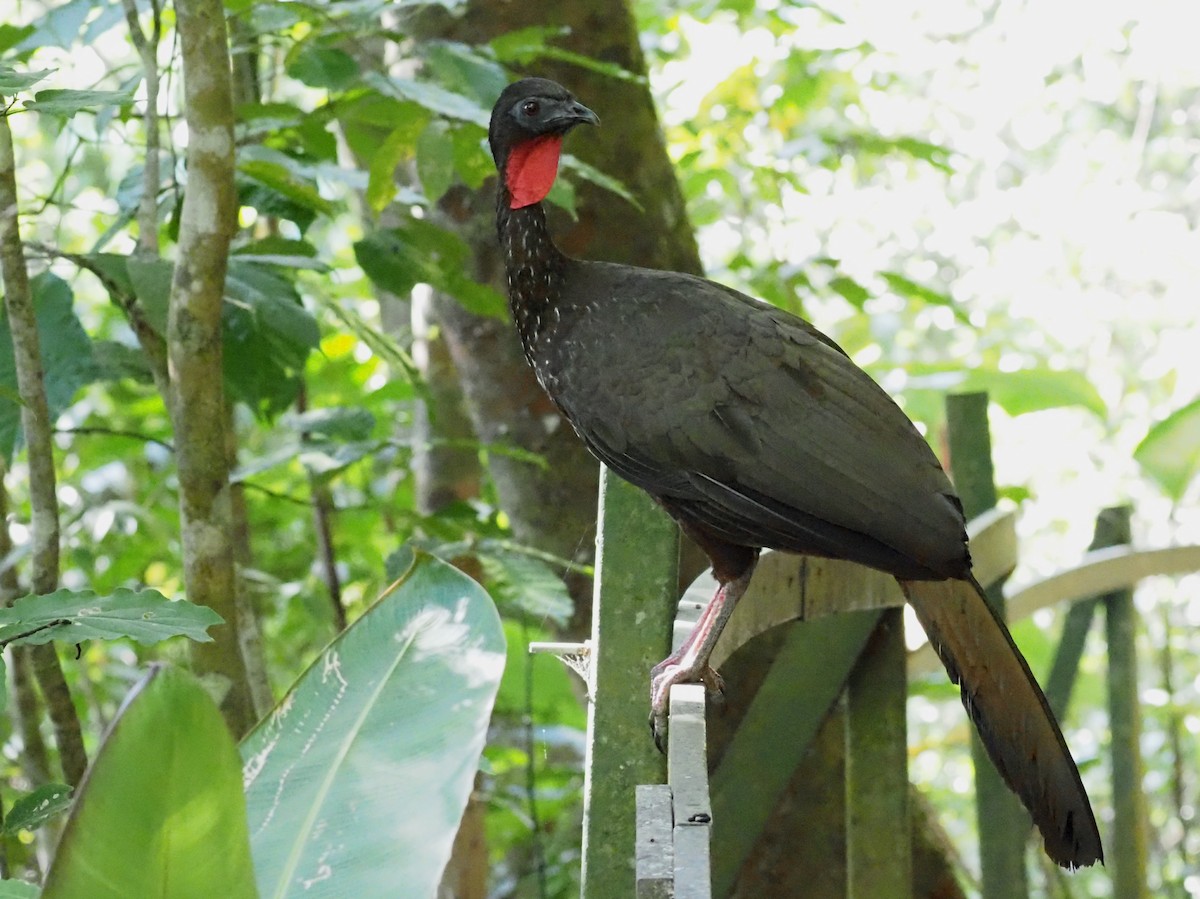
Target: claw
[
  {"x": 658, "y": 727},
  {"x": 689, "y": 664},
  {"x": 665, "y": 675}
]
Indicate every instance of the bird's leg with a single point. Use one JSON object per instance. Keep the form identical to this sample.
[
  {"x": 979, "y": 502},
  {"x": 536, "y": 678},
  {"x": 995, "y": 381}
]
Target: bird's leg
[{"x": 689, "y": 664}]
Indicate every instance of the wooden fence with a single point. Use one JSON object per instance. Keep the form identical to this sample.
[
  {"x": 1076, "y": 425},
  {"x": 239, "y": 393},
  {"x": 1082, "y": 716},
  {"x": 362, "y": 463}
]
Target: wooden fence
[{"x": 828, "y": 709}]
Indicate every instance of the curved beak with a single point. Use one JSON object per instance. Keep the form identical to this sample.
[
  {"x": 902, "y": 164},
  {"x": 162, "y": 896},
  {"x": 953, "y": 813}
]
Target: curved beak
[{"x": 575, "y": 113}]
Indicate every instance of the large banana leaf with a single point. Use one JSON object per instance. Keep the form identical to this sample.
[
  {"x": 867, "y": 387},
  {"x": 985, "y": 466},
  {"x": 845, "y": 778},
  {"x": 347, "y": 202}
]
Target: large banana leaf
[
  {"x": 356, "y": 783},
  {"x": 160, "y": 814}
]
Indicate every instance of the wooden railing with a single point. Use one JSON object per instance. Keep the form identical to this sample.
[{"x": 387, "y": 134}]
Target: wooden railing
[{"x": 831, "y": 704}]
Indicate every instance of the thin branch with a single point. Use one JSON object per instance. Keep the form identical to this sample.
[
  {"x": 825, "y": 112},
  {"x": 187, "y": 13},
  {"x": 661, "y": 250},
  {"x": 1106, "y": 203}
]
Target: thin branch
[
  {"x": 25, "y": 635},
  {"x": 278, "y": 494},
  {"x": 147, "y": 48},
  {"x": 151, "y": 341},
  {"x": 322, "y": 508},
  {"x": 36, "y": 425},
  {"x": 117, "y": 432},
  {"x": 27, "y": 708}
]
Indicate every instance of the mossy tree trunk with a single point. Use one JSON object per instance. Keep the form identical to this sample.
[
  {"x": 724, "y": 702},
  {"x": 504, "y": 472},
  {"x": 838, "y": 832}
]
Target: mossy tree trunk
[{"x": 197, "y": 401}]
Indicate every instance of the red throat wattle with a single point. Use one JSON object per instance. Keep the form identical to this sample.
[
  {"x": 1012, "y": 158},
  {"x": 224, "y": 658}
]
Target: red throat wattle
[{"x": 532, "y": 167}]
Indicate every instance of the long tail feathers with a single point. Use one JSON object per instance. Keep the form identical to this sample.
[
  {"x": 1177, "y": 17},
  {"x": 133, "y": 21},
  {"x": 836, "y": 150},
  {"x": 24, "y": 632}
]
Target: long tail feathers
[{"x": 1011, "y": 714}]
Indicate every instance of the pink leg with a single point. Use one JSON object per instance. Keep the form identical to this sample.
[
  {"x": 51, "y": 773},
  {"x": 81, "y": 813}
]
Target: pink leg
[{"x": 689, "y": 664}]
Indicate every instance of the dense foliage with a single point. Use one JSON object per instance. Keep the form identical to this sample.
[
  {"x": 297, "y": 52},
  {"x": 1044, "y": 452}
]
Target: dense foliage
[{"x": 965, "y": 196}]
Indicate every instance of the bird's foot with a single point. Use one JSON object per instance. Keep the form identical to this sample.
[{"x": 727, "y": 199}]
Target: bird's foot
[{"x": 665, "y": 675}]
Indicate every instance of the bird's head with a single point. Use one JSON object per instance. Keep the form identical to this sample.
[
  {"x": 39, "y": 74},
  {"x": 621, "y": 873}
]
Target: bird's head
[{"x": 528, "y": 124}]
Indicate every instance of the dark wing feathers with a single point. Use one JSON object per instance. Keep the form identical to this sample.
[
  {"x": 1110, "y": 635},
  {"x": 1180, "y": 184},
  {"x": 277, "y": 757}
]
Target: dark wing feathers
[{"x": 804, "y": 453}]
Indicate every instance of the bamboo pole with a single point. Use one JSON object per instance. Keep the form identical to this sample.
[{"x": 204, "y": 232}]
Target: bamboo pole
[
  {"x": 637, "y": 553},
  {"x": 1003, "y": 824},
  {"x": 1127, "y": 846}
]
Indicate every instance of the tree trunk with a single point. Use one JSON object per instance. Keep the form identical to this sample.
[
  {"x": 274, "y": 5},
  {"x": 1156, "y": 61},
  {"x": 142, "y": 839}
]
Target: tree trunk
[
  {"x": 194, "y": 349},
  {"x": 36, "y": 425},
  {"x": 445, "y": 466},
  {"x": 554, "y": 508}
]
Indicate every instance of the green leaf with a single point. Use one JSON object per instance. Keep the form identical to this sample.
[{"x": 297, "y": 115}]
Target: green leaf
[
  {"x": 66, "y": 103},
  {"x": 911, "y": 290},
  {"x": 419, "y": 252},
  {"x": 356, "y": 783},
  {"x": 151, "y": 283},
  {"x": 431, "y": 96},
  {"x": 291, "y": 179},
  {"x": 1170, "y": 451},
  {"x": 12, "y": 81},
  {"x": 467, "y": 68},
  {"x": 323, "y": 67},
  {"x": 472, "y": 160},
  {"x": 435, "y": 160},
  {"x": 76, "y": 615},
  {"x": 268, "y": 336},
  {"x": 381, "y": 173},
  {"x": 562, "y": 194},
  {"x": 276, "y": 304},
  {"x": 59, "y": 26},
  {"x": 529, "y": 584},
  {"x": 1035, "y": 389},
  {"x": 382, "y": 345},
  {"x": 66, "y": 356},
  {"x": 281, "y": 252},
  {"x": 334, "y": 422},
  {"x": 161, "y": 811},
  {"x": 18, "y": 889},
  {"x": 35, "y": 808},
  {"x": 597, "y": 177},
  {"x": 528, "y": 44},
  {"x": 853, "y": 292},
  {"x": 11, "y": 35}
]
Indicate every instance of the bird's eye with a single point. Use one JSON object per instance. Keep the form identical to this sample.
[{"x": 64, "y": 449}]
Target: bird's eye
[{"x": 531, "y": 108}]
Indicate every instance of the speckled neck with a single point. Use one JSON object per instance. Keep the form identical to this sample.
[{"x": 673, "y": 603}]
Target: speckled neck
[{"x": 535, "y": 268}]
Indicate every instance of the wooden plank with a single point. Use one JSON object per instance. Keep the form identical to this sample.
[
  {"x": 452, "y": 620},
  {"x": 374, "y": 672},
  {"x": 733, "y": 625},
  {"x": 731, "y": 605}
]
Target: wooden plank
[
  {"x": 878, "y": 830},
  {"x": 1100, "y": 571},
  {"x": 687, "y": 773},
  {"x": 805, "y": 680},
  {"x": 803, "y": 588},
  {"x": 655, "y": 862},
  {"x": 1002, "y": 822},
  {"x": 637, "y": 557},
  {"x": 992, "y": 537},
  {"x": 687, "y": 757},
  {"x": 1103, "y": 571}
]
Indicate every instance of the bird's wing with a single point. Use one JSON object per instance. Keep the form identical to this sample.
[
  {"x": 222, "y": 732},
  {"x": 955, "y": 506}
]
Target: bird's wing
[{"x": 750, "y": 420}]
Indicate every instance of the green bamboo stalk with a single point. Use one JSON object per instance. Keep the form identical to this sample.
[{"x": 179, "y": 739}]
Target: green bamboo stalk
[
  {"x": 805, "y": 680},
  {"x": 878, "y": 831},
  {"x": 637, "y": 556},
  {"x": 1127, "y": 850},
  {"x": 1003, "y": 823}
]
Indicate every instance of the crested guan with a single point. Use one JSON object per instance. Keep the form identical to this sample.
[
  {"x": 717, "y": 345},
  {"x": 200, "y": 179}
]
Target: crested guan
[{"x": 753, "y": 429}]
